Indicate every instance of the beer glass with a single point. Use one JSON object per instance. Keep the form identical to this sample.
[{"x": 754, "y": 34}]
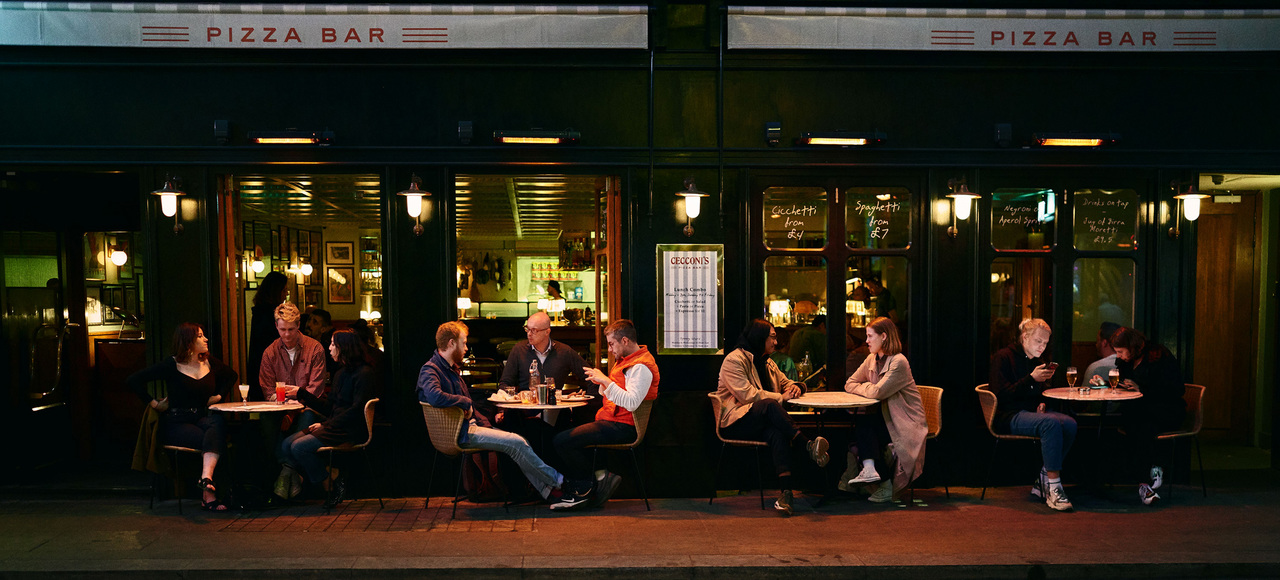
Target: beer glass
[
  {"x": 1071, "y": 376},
  {"x": 1113, "y": 378}
]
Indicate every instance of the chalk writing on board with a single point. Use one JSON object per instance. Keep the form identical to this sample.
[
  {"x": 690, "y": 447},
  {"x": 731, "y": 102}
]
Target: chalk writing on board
[
  {"x": 1019, "y": 215},
  {"x": 879, "y": 224},
  {"x": 1104, "y": 221},
  {"x": 793, "y": 218}
]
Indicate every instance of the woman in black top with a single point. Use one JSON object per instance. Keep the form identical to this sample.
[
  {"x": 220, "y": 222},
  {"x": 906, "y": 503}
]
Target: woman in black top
[
  {"x": 194, "y": 380},
  {"x": 262, "y": 326},
  {"x": 352, "y": 386},
  {"x": 1152, "y": 370}
]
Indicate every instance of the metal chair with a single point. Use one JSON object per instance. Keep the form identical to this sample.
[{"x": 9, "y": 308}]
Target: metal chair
[
  {"x": 931, "y": 400},
  {"x": 756, "y": 445},
  {"x": 988, "y": 401},
  {"x": 173, "y": 451},
  {"x": 362, "y": 448},
  {"x": 444, "y": 425},
  {"x": 1193, "y": 395},
  {"x": 641, "y": 416}
]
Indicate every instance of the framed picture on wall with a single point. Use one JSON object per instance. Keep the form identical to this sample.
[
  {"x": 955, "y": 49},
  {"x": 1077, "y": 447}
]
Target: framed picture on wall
[
  {"x": 304, "y": 244},
  {"x": 275, "y": 244},
  {"x": 340, "y": 253},
  {"x": 93, "y": 305},
  {"x": 286, "y": 248},
  {"x": 95, "y": 257},
  {"x": 342, "y": 284},
  {"x": 112, "y": 297},
  {"x": 124, "y": 243},
  {"x": 131, "y": 300},
  {"x": 311, "y": 296}
]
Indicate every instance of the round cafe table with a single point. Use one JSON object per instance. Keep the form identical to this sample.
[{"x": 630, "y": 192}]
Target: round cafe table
[
  {"x": 1107, "y": 394},
  {"x": 830, "y": 400},
  {"x": 251, "y": 407}
]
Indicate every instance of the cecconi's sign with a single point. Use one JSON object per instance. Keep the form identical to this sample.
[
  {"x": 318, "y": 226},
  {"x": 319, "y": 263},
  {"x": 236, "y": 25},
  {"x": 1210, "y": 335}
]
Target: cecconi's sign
[
  {"x": 939, "y": 29},
  {"x": 158, "y": 25}
]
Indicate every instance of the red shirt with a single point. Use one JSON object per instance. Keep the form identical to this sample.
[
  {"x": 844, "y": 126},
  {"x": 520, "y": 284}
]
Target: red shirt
[{"x": 306, "y": 370}]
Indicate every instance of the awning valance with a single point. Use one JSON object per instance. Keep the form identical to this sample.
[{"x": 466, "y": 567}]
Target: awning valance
[
  {"x": 310, "y": 26},
  {"x": 995, "y": 30}
]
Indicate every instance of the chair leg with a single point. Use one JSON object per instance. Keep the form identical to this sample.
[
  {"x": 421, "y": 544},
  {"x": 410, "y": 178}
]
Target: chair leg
[
  {"x": 640, "y": 478},
  {"x": 715, "y": 475},
  {"x": 328, "y": 494},
  {"x": 368, "y": 469},
  {"x": 1200, "y": 459},
  {"x": 462, "y": 459},
  {"x": 155, "y": 490},
  {"x": 760, "y": 479},
  {"x": 990, "y": 463},
  {"x": 434, "y": 454}
]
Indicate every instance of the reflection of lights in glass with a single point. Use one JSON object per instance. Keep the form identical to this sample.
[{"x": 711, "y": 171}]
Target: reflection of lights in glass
[
  {"x": 337, "y": 277},
  {"x": 995, "y": 278},
  {"x": 883, "y": 197}
]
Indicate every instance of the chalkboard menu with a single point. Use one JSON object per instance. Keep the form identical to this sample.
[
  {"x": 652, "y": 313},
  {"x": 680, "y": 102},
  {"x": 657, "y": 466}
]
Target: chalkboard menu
[
  {"x": 795, "y": 217},
  {"x": 1022, "y": 219},
  {"x": 1106, "y": 219},
  {"x": 878, "y": 217}
]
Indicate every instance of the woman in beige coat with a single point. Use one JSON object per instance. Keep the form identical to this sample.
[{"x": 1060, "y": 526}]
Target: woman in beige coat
[
  {"x": 751, "y": 392},
  {"x": 885, "y": 376}
]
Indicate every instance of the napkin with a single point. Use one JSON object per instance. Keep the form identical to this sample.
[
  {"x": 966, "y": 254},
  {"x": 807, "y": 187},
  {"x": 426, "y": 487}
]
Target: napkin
[{"x": 501, "y": 396}]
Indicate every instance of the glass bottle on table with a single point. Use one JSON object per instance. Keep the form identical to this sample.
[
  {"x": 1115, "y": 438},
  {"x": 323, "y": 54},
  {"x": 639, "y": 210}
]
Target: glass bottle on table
[{"x": 535, "y": 377}]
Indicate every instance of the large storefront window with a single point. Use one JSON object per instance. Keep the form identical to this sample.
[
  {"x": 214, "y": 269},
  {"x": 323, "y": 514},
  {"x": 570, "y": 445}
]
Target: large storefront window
[
  {"x": 1102, "y": 290},
  {"x": 795, "y": 289},
  {"x": 1020, "y": 289},
  {"x": 875, "y": 286},
  {"x": 795, "y": 217}
]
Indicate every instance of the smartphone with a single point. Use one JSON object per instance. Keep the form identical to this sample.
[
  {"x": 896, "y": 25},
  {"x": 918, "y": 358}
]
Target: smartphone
[{"x": 1053, "y": 366}]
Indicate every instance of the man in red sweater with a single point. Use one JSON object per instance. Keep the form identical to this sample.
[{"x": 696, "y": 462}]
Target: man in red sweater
[{"x": 633, "y": 380}]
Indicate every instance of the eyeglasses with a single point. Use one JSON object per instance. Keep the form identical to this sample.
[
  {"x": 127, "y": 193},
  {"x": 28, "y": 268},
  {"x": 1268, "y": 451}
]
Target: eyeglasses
[{"x": 533, "y": 330}]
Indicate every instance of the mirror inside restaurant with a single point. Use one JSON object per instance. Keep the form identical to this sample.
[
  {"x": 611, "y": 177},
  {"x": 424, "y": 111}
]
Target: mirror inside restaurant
[
  {"x": 528, "y": 243},
  {"x": 321, "y": 235}
]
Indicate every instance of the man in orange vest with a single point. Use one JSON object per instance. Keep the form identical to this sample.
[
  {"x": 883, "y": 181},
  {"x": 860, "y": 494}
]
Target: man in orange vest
[{"x": 633, "y": 380}]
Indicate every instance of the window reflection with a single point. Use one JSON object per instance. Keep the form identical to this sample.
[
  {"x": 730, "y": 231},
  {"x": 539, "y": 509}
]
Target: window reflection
[
  {"x": 1020, "y": 289},
  {"x": 795, "y": 217},
  {"x": 875, "y": 286},
  {"x": 1102, "y": 290},
  {"x": 795, "y": 288}
]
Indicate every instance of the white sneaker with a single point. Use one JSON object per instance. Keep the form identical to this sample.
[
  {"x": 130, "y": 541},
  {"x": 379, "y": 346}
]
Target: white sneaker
[
  {"x": 1057, "y": 499},
  {"x": 1147, "y": 495},
  {"x": 882, "y": 494},
  {"x": 1157, "y": 476},
  {"x": 867, "y": 475},
  {"x": 1041, "y": 484}
]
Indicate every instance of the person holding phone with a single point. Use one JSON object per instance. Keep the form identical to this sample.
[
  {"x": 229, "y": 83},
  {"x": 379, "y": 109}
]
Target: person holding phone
[{"x": 1019, "y": 376}]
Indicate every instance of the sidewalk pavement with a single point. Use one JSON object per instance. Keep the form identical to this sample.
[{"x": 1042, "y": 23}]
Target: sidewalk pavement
[{"x": 1233, "y": 533}]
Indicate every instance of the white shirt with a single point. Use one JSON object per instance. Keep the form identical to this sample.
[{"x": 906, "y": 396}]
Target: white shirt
[
  {"x": 1100, "y": 368},
  {"x": 638, "y": 379},
  {"x": 293, "y": 353}
]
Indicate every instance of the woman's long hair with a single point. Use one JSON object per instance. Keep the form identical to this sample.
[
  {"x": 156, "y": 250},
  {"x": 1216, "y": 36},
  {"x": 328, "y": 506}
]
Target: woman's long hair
[
  {"x": 183, "y": 337},
  {"x": 271, "y": 290},
  {"x": 752, "y": 340},
  {"x": 350, "y": 348}
]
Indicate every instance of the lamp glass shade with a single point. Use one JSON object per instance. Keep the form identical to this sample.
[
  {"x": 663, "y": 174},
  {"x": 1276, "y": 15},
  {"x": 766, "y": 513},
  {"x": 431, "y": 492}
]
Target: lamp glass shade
[
  {"x": 257, "y": 266},
  {"x": 963, "y": 206},
  {"x": 169, "y": 204},
  {"x": 1191, "y": 208},
  {"x": 464, "y": 303},
  {"x": 413, "y": 201},
  {"x": 693, "y": 206},
  {"x": 779, "y": 307},
  {"x": 118, "y": 257},
  {"x": 306, "y": 269},
  {"x": 544, "y": 303}
]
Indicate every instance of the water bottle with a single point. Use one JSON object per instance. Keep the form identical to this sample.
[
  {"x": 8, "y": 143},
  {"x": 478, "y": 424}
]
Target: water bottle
[{"x": 535, "y": 378}]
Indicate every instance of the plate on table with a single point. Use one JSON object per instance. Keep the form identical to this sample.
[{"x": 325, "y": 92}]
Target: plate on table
[{"x": 574, "y": 398}]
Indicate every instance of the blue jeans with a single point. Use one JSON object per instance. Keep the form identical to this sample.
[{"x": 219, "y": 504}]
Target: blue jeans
[
  {"x": 542, "y": 476},
  {"x": 1056, "y": 432},
  {"x": 299, "y": 452}
]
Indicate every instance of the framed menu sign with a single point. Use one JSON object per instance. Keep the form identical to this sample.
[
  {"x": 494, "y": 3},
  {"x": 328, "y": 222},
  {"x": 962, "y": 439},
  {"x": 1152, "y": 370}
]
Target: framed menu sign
[
  {"x": 691, "y": 310},
  {"x": 1105, "y": 219},
  {"x": 1022, "y": 219}
]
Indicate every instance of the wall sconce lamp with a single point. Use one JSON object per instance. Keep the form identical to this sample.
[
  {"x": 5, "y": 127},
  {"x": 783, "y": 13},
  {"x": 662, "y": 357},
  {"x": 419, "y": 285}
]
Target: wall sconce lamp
[
  {"x": 169, "y": 201},
  {"x": 306, "y": 268},
  {"x": 537, "y": 137},
  {"x": 413, "y": 202},
  {"x": 119, "y": 257},
  {"x": 841, "y": 138},
  {"x": 257, "y": 265},
  {"x": 292, "y": 137},
  {"x": 464, "y": 303},
  {"x": 961, "y": 203},
  {"x": 692, "y": 204},
  {"x": 1074, "y": 139},
  {"x": 1188, "y": 206}
]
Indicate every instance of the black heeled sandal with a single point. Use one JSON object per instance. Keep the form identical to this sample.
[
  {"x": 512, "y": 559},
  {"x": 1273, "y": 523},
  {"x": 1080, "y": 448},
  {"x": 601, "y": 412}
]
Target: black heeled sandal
[
  {"x": 207, "y": 484},
  {"x": 213, "y": 506}
]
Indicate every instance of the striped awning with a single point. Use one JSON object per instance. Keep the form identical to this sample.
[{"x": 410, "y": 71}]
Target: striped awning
[
  {"x": 324, "y": 26},
  {"x": 1007, "y": 30}
]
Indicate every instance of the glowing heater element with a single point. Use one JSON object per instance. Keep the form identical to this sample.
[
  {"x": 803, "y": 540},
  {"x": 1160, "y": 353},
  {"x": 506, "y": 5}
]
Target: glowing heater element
[
  {"x": 536, "y": 137},
  {"x": 1074, "y": 139},
  {"x": 292, "y": 137},
  {"x": 841, "y": 139}
]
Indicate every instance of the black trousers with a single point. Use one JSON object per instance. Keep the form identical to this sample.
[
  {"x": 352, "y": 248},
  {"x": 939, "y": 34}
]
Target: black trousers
[
  {"x": 871, "y": 437},
  {"x": 1141, "y": 424},
  {"x": 766, "y": 421}
]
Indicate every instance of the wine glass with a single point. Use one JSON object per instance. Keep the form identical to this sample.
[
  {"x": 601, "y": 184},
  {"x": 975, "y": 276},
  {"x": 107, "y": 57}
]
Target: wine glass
[
  {"x": 244, "y": 395},
  {"x": 1071, "y": 376},
  {"x": 1113, "y": 378}
]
